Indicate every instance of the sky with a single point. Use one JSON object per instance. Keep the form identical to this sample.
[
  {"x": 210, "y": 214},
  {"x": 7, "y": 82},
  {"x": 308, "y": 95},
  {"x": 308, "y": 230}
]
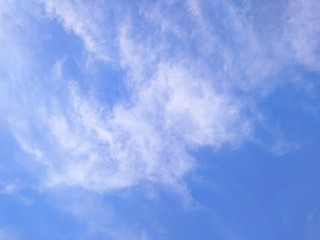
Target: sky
[{"x": 159, "y": 120}]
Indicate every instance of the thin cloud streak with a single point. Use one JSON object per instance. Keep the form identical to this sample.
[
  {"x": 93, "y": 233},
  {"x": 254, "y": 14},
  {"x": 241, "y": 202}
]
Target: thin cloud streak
[{"x": 84, "y": 20}]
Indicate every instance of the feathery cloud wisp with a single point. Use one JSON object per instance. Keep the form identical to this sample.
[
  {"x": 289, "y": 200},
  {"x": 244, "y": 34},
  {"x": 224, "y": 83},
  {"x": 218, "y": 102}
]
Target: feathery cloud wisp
[{"x": 182, "y": 94}]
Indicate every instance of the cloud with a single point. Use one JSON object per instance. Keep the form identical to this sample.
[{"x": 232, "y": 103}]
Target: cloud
[
  {"x": 95, "y": 216},
  {"x": 172, "y": 109},
  {"x": 85, "y": 20},
  {"x": 190, "y": 82},
  {"x": 8, "y": 188},
  {"x": 192, "y": 79},
  {"x": 145, "y": 140},
  {"x": 6, "y": 235},
  {"x": 302, "y": 31},
  {"x": 280, "y": 148}
]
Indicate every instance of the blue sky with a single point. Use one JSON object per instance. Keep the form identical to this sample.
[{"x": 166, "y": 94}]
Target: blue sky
[{"x": 153, "y": 120}]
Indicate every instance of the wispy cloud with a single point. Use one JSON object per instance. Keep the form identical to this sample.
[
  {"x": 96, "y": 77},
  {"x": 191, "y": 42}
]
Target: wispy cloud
[
  {"x": 145, "y": 139},
  {"x": 178, "y": 100},
  {"x": 87, "y": 21},
  {"x": 191, "y": 79},
  {"x": 173, "y": 108},
  {"x": 302, "y": 31},
  {"x": 6, "y": 235}
]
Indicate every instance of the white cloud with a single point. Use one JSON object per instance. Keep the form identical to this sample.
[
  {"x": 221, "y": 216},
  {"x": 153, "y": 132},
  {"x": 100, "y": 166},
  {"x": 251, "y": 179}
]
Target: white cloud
[
  {"x": 97, "y": 216},
  {"x": 7, "y": 235},
  {"x": 146, "y": 139},
  {"x": 190, "y": 84},
  {"x": 84, "y": 19},
  {"x": 303, "y": 30},
  {"x": 179, "y": 99},
  {"x": 8, "y": 188},
  {"x": 282, "y": 147},
  {"x": 172, "y": 109}
]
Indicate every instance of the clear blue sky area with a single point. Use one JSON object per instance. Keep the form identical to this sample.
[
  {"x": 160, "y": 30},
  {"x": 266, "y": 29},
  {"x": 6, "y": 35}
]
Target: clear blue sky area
[{"x": 159, "y": 120}]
